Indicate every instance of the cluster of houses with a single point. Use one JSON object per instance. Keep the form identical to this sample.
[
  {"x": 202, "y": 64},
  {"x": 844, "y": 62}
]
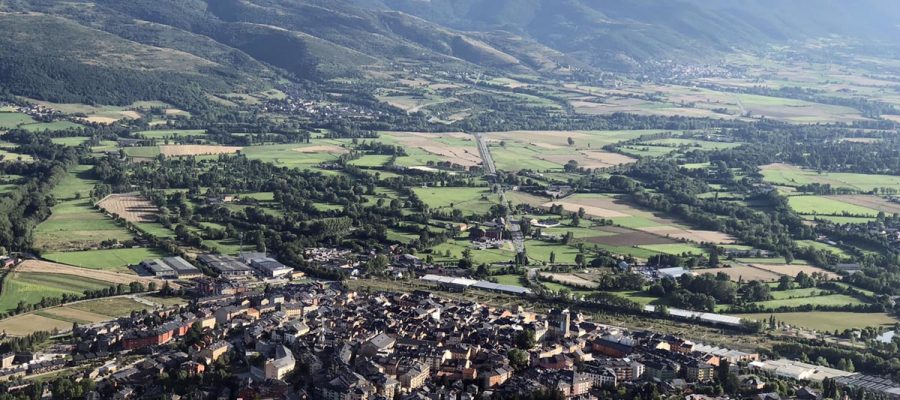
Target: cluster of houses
[{"x": 391, "y": 346}]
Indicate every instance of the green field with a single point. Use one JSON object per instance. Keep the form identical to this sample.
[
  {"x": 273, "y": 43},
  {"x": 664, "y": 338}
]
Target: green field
[
  {"x": 69, "y": 141},
  {"x": 789, "y": 175},
  {"x": 10, "y": 120},
  {"x": 827, "y": 320},
  {"x": 512, "y": 280},
  {"x": 74, "y": 224},
  {"x": 50, "y": 126},
  {"x": 79, "y": 182},
  {"x": 170, "y": 133},
  {"x": 6, "y": 154},
  {"x": 674, "y": 249},
  {"x": 470, "y": 200},
  {"x": 827, "y": 300},
  {"x": 31, "y": 287},
  {"x": 116, "y": 260},
  {"x": 822, "y": 246},
  {"x": 370, "y": 161},
  {"x": 286, "y": 155},
  {"x": 487, "y": 256},
  {"x": 142, "y": 152},
  {"x": 815, "y": 205}
]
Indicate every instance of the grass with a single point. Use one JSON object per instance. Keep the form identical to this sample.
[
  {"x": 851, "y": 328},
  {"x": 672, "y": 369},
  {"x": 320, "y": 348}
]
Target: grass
[
  {"x": 116, "y": 260},
  {"x": 828, "y": 320},
  {"x": 509, "y": 279},
  {"x": 823, "y": 205},
  {"x": 674, "y": 249},
  {"x": 113, "y": 307},
  {"x": 11, "y": 120},
  {"x": 78, "y": 183},
  {"x": 74, "y": 224},
  {"x": 171, "y": 133},
  {"x": 285, "y": 155},
  {"x": 142, "y": 152},
  {"x": 822, "y": 246},
  {"x": 7, "y": 155},
  {"x": 370, "y": 161},
  {"x": 50, "y": 126},
  {"x": 827, "y": 300},
  {"x": 469, "y": 200},
  {"x": 789, "y": 175},
  {"x": 487, "y": 256},
  {"x": 31, "y": 287},
  {"x": 71, "y": 141}
]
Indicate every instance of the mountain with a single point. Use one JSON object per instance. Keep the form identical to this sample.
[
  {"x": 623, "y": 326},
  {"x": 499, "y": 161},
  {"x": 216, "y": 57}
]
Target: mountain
[
  {"x": 621, "y": 34},
  {"x": 117, "y": 52}
]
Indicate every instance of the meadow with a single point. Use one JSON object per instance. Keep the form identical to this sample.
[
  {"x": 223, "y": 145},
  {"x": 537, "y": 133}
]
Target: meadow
[
  {"x": 815, "y": 205},
  {"x": 31, "y": 287},
  {"x": 789, "y": 175},
  {"x": 469, "y": 200},
  {"x": 827, "y": 320}
]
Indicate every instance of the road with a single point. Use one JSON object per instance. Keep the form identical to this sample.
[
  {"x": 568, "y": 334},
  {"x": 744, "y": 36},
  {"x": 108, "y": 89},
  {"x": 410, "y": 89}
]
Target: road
[{"x": 515, "y": 231}]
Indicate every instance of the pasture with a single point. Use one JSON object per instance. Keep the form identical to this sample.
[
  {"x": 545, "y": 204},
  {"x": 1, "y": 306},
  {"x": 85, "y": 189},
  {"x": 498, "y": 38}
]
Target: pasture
[
  {"x": 425, "y": 149},
  {"x": 75, "y": 225},
  {"x": 180, "y": 150},
  {"x": 62, "y": 317},
  {"x": 827, "y": 320},
  {"x": 12, "y": 120},
  {"x": 745, "y": 273},
  {"x": 793, "y": 176},
  {"x": 171, "y": 133},
  {"x": 815, "y": 205},
  {"x": 794, "y": 269},
  {"x": 30, "y": 287},
  {"x": 469, "y": 200},
  {"x": 297, "y": 155}
]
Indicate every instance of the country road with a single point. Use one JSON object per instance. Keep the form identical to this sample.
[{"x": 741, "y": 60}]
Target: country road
[{"x": 515, "y": 231}]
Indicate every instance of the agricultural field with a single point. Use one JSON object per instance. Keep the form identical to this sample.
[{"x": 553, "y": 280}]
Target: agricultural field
[
  {"x": 486, "y": 256},
  {"x": 426, "y": 149},
  {"x": 792, "y": 176},
  {"x": 171, "y": 133},
  {"x": 826, "y": 300},
  {"x": 75, "y": 225},
  {"x": 61, "y": 318},
  {"x": 744, "y": 273},
  {"x": 71, "y": 141},
  {"x": 131, "y": 207},
  {"x": 116, "y": 260},
  {"x": 567, "y": 279},
  {"x": 180, "y": 150},
  {"x": 512, "y": 280},
  {"x": 6, "y": 154},
  {"x": 297, "y": 155},
  {"x": 31, "y": 287},
  {"x": 78, "y": 184},
  {"x": 549, "y": 151},
  {"x": 815, "y": 205},
  {"x": 823, "y": 246},
  {"x": 827, "y": 320},
  {"x": 12, "y": 120},
  {"x": 794, "y": 269},
  {"x": 469, "y": 200}
]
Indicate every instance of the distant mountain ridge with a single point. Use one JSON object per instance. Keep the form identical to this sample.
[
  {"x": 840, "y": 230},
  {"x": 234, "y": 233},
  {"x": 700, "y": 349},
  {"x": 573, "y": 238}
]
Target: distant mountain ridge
[{"x": 622, "y": 33}]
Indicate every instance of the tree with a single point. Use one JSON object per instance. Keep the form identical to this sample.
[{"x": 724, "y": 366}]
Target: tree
[
  {"x": 552, "y": 257},
  {"x": 570, "y": 141},
  {"x": 525, "y": 339},
  {"x": 518, "y": 359},
  {"x": 785, "y": 283},
  {"x": 714, "y": 257}
]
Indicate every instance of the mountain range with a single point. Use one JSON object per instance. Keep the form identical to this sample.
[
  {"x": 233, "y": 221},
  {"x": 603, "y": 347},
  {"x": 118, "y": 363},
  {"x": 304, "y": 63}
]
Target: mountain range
[{"x": 220, "y": 45}]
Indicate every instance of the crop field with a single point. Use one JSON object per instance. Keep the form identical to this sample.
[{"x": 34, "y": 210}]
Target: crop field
[
  {"x": 50, "y": 126},
  {"x": 692, "y": 143},
  {"x": 789, "y": 175},
  {"x": 296, "y": 155},
  {"x": 61, "y": 318},
  {"x": 178, "y": 150},
  {"x": 74, "y": 225},
  {"x": 116, "y": 260},
  {"x": 872, "y": 202},
  {"x": 568, "y": 279},
  {"x": 8, "y": 155},
  {"x": 11, "y": 120},
  {"x": 674, "y": 248},
  {"x": 71, "y": 141},
  {"x": 171, "y": 133},
  {"x": 109, "y": 277},
  {"x": 132, "y": 207},
  {"x": 371, "y": 161},
  {"x": 547, "y": 157},
  {"x": 794, "y": 269},
  {"x": 827, "y": 320},
  {"x": 823, "y": 246},
  {"x": 815, "y": 205},
  {"x": 742, "y": 272},
  {"x": 467, "y": 199},
  {"x": 30, "y": 287},
  {"x": 424, "y": 148},
  {"x": 826, "y": 300}
]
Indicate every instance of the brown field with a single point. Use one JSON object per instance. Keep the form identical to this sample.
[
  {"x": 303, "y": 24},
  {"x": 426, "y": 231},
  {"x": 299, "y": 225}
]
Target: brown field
[
  {"x": 591, "y": 159},
  {"x": 68, "y": 313},
  {"x": 568, "y": 279},
  {"x": 692, "y": 235},
  {"x": 552, "y": 138},
  {"x": 131, "y": 114},
  {"x": 546, "y": 145},
  {"x": 526, "y": 198},
  {"x": 175, "y": 150},
  {"x": 26, "y": 324},
  {"x": 630, "y": 238},
  {"x": 873, "y": 202},
  {"x": 100, "y": 275},
  {"x": 745, "y": 272},
  {"x": 793, "y": 270},
  {"x": 328, "y": 148},
  {"x": 895, "y": 118},
  {"x": 463, "y": 156},
  {"x": 96, "y": 119},
  {"x": 589, "y": 210},
  {"x": 131, "y": 207},
  {"x": 861, "y": 140},
  {"x": 429, "y": 142}
]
